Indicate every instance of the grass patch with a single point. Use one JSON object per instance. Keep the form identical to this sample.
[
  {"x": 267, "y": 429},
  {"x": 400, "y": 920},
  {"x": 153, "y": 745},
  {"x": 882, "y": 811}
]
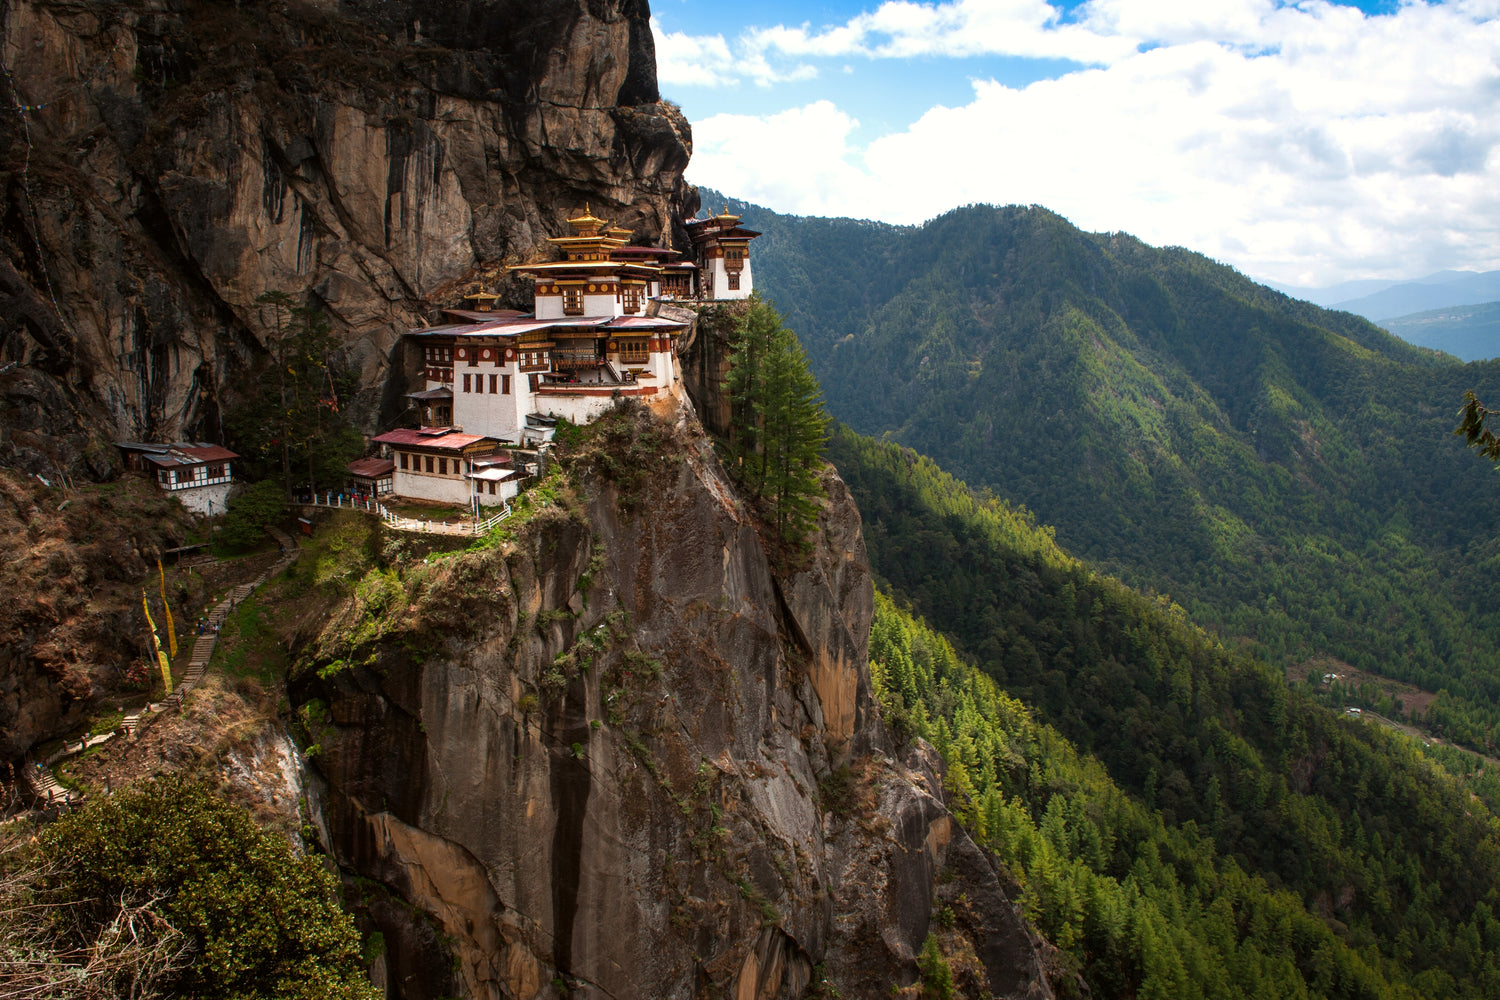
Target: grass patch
[{"x": 249, "y": 646}]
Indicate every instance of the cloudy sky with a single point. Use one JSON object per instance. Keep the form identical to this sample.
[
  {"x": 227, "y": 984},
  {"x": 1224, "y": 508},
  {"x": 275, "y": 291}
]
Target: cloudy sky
[{"x": 1304, "y": 143}]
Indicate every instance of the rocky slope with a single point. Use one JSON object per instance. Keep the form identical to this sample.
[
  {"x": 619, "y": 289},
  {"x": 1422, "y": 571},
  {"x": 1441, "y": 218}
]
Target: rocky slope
[
  {"x": 623, "y": 756},
  {"x": 163, "y": 164}
]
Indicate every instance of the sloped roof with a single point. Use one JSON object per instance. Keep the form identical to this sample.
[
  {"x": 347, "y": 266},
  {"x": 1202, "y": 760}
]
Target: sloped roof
[
  {"x": 626, "y": 323},
  {"x": 495, "y": 474},
  {"x": 371, "y": 468},
  {"x": 438, "y": 439},
  {"x": 206, "y": 453}
]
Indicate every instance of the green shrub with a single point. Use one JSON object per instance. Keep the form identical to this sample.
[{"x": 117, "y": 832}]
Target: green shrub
[
  {"x": 937, "y": 977},
  {"x": 264, "y": 921},
  {"x": 249, "y": 513}
]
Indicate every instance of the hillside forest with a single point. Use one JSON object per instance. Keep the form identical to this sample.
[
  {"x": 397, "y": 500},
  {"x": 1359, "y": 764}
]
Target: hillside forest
[
  {"x": 1180, "y": 822},
  {"x": 1286, "y": 474}
]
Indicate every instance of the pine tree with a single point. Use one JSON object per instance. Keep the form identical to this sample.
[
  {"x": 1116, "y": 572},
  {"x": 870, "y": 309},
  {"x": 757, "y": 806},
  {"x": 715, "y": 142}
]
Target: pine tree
[{"x": 780, "y": 427}]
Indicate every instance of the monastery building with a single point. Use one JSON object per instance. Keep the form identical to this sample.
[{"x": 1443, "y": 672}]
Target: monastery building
[{"x": 498, "y": 380}]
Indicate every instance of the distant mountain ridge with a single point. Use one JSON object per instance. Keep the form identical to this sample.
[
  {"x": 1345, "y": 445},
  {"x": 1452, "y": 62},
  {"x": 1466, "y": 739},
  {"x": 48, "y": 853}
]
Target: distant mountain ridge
[
  {"x": 1378, "y": 300},
  {"x": 1402, "y": 300},
  {"x": 1471, "y": 333},
  {"x": 1286, "y": 472}
]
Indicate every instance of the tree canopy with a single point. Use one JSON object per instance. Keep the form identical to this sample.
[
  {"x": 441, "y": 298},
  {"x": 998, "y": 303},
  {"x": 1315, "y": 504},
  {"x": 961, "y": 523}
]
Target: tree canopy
[
  {"x": 1229, "y": 836},
  {"x": 290, "y": 421},
  {"x": 780, "y": 428}
]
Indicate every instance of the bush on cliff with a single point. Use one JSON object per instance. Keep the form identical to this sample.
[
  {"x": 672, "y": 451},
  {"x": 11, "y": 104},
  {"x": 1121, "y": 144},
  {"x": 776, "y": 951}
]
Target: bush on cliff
[{"x": 258, "y": 920}]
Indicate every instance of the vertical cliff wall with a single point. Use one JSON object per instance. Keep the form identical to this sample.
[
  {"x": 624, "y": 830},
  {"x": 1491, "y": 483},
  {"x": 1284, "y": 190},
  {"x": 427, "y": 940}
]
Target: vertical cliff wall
[
  {"x": 622, "y": 756},
  {"x": 162, "y": 164}
]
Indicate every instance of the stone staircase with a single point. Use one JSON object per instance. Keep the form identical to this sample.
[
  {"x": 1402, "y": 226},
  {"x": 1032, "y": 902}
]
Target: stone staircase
[
  {"x": 203, "y": 645},
  {"x": 45, "y": 787}
]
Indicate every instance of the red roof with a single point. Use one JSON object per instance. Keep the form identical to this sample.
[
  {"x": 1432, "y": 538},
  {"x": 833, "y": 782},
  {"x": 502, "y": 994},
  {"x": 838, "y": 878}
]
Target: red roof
[
  {"x": 209, "y": 454},
  {"x": 642, "y": 323},
  {"x": 372, "y": 468},
  {"x": 435, "y": 438}
]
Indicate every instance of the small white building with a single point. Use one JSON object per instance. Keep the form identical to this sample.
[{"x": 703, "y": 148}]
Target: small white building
[
  {"x": 372, "y": 477},
  {"x": 722, "y": 247},
  {"x": 197, "y": 473},
  {"x": 437, "y": 463}
]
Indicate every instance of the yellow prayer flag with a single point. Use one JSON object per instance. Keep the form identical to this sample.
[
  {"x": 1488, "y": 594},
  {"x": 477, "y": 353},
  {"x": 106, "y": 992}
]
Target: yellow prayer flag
[
  {"x": 171, "y": 628},
  {"x": 161, "y": 657}
]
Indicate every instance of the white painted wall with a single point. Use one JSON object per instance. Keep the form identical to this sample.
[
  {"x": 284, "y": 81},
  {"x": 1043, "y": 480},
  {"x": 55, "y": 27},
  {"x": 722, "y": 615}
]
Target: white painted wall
[
  {"x": 442, "y": 489},
  {"x": 494, "y": 414},
  {"x": 721, "y": 280},
  {"x": 203, "y": 500},
  {"x": 578, "y": 409},
  {"x": 503, "y": 492},
  {"x": 604, "y": 304}
]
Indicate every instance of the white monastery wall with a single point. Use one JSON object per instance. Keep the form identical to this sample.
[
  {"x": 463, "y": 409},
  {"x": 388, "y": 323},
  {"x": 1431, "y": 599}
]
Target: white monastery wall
[
  {"x": 721, "y": 280},
  {"x": 496, "y": 414},
  {"x": 441, "y": 489},
  {"x": 205, "y": 500}
]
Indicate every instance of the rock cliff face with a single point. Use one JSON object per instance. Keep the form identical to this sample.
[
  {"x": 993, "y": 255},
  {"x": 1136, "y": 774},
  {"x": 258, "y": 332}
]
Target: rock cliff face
[
  {"x": 627, "y": 758},
  {"x": 163, "y": 163}
]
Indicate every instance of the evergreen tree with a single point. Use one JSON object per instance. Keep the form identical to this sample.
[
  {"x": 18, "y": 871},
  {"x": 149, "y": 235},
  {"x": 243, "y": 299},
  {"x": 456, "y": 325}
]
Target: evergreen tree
[
  {"x": 292, "y": 415},
  {"x": 780, "y": 427}
]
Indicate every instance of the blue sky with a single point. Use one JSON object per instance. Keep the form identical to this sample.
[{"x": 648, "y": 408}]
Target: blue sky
[{"x": 1304, "y": 143}]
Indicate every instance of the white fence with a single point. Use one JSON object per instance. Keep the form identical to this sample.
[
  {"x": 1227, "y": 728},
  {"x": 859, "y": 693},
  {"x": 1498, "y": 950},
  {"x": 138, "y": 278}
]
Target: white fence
[{"x": 354, "y": 501}]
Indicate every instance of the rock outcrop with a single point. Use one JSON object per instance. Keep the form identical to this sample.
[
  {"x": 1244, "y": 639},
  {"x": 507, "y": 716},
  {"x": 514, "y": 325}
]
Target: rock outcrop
[
  {"x": 164, "y": 164},
  {"x": 626, "y": 757}
]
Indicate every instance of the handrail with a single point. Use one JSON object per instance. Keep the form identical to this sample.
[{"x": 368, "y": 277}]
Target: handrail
[{"x": 346, "y": 501}]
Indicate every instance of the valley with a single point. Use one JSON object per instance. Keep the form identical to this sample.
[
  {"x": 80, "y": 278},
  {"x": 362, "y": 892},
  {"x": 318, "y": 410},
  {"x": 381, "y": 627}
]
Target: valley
[
  {"x": 1287, "y": 474},
  {"x": 996, "y": 672}
]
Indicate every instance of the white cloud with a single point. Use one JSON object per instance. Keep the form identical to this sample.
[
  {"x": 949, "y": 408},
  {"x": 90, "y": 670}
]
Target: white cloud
[
  {"x": 901, "y": 29},
  {"x": 1303, "y": 144},
  {"x": 812, "y": 172},
  {"x": 706, "y": 61},
  {"x": 691, "y": 60}
]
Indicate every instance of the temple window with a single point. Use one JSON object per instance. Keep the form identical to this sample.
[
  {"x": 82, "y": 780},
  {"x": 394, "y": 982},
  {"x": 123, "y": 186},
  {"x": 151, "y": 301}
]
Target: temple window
[
  {"x": 634, "y": 352},
  {"x": 573, "y": 301}
]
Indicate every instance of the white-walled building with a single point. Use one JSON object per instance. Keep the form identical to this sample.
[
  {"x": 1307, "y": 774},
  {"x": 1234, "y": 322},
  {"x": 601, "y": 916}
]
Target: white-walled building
[
  {"x": 722, "y": 247},
  {"x": 494, "y": 379},
  {"x": 198, "y": 474},
  {"x": 438, "y": 464}
]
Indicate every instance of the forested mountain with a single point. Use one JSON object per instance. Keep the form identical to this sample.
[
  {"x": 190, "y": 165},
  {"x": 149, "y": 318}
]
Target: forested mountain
[
  {"x": 1286, "y": 473},
  {"x": 1230, "y": 837}
]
